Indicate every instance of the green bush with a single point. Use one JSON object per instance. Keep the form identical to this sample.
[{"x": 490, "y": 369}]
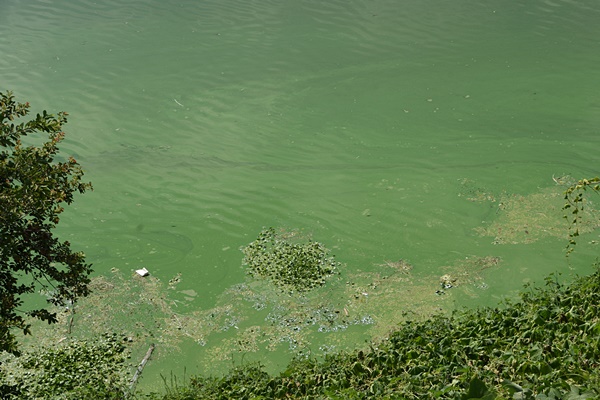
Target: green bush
[{"x": 73, "y": 370}]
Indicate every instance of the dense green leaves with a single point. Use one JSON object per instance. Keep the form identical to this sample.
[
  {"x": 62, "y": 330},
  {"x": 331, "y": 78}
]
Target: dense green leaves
[
  {"x": 72, "y": 370},
  {"x": 35, "y": 183},
  {"x": 575, "y": 205},
  {"x": 289, "y": 265}
]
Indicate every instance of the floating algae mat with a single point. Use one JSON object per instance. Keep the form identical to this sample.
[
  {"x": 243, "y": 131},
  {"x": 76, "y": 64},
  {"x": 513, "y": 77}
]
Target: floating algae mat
[
  {"x": 523, "y": 219},
  {"x": 258, "y": 316}
]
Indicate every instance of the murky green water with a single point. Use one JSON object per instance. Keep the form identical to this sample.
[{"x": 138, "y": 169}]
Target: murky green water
[{"x": 388, "y": 130}]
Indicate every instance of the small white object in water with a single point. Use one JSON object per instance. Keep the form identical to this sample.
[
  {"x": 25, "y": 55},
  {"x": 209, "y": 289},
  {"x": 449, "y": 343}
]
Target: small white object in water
[{"x": 142, "y": 272}]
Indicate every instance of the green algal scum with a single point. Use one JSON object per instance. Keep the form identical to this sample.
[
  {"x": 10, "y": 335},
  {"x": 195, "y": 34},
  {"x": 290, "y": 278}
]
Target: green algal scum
[{"x": 290, "y": 266}]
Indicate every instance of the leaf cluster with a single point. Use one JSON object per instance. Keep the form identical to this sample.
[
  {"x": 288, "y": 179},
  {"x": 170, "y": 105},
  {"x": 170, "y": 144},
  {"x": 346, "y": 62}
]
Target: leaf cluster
[
  {"x": 545, "y": 346},
  {"x": 293, "y": 266},
  {"x": 35, "y": 184},
  {"x": 75, "y": 369},
  {"x": 575, "y": 205}
]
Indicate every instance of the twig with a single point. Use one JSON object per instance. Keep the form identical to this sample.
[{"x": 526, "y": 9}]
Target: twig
[
  {"x": 71, "y": 317},
  {"x": 140, "y": 368}
]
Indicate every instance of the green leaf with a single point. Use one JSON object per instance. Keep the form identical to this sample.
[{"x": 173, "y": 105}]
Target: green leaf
[
  {"x": 513, "y": 387},
  {"x": 478, "y": 390}
]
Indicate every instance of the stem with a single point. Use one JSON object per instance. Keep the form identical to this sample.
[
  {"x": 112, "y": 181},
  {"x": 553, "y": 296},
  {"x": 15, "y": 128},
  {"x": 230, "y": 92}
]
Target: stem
[{"x": 140, "y": 368}]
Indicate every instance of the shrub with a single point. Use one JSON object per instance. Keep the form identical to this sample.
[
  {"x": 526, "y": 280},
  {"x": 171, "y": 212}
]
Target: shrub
[{"x": 73, "y": 370}]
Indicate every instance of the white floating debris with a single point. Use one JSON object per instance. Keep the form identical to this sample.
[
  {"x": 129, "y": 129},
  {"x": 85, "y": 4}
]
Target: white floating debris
[{"x": 142, "y": 272}]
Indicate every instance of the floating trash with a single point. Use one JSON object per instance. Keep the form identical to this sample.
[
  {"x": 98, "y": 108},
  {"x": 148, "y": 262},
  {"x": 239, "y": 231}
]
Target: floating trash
[{"x": 447, "y": 281}]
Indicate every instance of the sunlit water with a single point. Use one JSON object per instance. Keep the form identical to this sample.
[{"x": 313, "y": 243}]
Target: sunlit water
[{"x": 386, "y": 129}]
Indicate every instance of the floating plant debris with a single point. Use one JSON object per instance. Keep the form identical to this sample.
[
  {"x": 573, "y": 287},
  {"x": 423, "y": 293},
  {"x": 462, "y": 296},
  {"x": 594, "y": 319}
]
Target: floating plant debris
[
  {"x": 522, "y": 219},
  {"x": 289, "y": 265}
]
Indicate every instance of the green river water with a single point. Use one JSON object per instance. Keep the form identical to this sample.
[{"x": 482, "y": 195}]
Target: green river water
[{"x": 415, "y": 139}]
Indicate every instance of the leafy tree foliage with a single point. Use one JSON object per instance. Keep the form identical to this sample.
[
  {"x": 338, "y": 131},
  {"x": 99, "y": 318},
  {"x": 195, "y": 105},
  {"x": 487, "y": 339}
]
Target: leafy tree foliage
[{"x": 35, "y": 183}]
